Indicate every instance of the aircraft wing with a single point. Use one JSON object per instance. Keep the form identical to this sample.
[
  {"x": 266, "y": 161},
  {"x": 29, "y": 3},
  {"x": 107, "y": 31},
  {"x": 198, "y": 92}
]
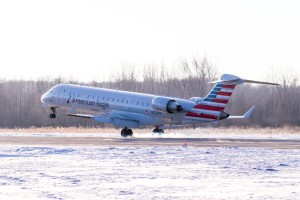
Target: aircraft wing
[
  {"x": 112, "y": 118},
  {"x": 81, "y": 115},
  {"x": 102, "y": 118}
]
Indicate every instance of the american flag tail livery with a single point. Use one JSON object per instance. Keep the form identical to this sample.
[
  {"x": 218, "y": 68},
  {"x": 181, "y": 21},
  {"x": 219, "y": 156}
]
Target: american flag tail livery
[{"x": 212, "y": 107}]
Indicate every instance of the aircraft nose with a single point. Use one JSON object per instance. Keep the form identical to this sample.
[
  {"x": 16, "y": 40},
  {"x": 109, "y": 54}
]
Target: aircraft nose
[{"x": 45, "y": 98}]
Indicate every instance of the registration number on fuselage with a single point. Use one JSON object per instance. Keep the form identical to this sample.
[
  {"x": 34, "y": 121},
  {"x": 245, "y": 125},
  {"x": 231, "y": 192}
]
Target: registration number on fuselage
[{"x": 152, "y": 112}]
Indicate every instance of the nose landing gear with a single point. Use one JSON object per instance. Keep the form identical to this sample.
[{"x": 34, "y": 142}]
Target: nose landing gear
[{"x": 53, "y": 114}]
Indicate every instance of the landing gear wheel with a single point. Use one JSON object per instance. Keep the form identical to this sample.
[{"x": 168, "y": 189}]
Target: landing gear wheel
[
  {"x": 126, "y": 132},
  {"x": 158, "y": 130},
  {"x": 52, "y": 115},
  {"x": 129, "y": 132},
  {"x": 123, "y": 133}
]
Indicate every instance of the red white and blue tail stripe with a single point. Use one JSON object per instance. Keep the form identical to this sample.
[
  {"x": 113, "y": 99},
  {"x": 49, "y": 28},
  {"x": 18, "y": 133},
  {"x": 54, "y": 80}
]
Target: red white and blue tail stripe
[
  {"x": 213, "y": 105},
  {"x": 211, "y": 108},
  {"x": 220, "y": 94}
]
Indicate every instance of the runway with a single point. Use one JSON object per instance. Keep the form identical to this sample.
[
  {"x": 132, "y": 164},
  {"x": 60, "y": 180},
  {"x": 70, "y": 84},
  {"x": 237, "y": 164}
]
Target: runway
[
  {"x": 106, "y": 166},
  {"x": 142, "y": 142}
]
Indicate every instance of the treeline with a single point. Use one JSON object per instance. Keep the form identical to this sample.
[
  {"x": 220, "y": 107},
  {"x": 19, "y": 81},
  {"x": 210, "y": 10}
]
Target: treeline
[{"x": 276, "y": 106}]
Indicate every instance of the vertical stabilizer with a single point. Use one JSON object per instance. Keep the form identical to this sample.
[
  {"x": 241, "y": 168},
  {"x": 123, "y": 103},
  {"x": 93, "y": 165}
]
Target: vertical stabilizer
[
  {"x": 211, "y": 108},
  {"x": 223, "y": 89},
  {"x": 220, "y": 93}
]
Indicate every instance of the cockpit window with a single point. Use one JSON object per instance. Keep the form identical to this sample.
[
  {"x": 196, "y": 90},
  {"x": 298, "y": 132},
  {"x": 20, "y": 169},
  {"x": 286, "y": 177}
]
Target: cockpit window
[{"x": 52, "y": 90}]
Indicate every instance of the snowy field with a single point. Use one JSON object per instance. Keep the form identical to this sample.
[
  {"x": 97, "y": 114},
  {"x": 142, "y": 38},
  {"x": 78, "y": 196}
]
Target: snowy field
[
  {"x": 154, "y": 172},
  {"x": 188, "y": 133}
]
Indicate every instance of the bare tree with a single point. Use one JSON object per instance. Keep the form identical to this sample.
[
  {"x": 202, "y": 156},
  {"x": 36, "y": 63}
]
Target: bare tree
[{"x": 276, "y": 106}]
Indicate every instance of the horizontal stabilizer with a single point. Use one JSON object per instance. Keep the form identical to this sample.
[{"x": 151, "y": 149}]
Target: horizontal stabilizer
[
  {"x": 260, "y": 82},
  {"x": 229, "y": 79}
]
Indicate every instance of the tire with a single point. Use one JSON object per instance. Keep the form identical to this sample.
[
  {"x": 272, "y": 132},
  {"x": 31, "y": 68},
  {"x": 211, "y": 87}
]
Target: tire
[
  {"x": 155, "y": 130},
  {"x": 129, "y": 132},
  {"x": 160, "y": 131},
  {"x": 123, "y": 133}
]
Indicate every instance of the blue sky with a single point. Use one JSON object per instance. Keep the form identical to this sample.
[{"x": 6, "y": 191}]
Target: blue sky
[{"x": 91, "y": 39}]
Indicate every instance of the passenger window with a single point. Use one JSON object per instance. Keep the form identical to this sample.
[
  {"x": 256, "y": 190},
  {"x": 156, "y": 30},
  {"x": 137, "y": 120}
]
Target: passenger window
[
  {"x": 103, "y": 98},
  {"x": 107, "y": 98},
  {"x": 148, "y": 104}
]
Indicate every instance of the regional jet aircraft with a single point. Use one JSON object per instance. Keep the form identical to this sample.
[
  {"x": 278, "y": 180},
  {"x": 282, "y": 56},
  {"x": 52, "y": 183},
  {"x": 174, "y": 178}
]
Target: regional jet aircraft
[{"x": 133, "y": 110}]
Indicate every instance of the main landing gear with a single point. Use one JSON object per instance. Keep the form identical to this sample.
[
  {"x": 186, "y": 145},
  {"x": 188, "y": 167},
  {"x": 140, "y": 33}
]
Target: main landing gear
[
  {"x": 126, "y": 132},
  {"x": 158, "y": 130},
  {"x": 53, "y": 114}
]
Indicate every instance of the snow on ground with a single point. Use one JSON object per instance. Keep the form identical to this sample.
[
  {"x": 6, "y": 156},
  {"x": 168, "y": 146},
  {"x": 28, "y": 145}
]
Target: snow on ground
[
  {"x": 172, "y": 133},
  {"x": 155, "y": 172}
]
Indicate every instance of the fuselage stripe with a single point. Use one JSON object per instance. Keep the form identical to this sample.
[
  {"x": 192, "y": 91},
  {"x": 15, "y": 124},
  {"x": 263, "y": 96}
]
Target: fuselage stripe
[
  {"x": 197, "y": 115},
  {"x": 207, "y": 107}
]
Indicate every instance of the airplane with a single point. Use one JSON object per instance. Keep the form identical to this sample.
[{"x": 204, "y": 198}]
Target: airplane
[{"x": 129, "y": 110}]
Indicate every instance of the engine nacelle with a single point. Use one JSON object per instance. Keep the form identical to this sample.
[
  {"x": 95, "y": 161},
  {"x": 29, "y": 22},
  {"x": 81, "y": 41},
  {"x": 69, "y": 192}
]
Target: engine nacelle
[{"x": 166, "y": 104}]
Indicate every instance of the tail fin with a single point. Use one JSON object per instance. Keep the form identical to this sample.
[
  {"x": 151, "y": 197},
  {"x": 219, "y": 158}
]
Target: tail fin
[
  {"x": 222, "y": 91},
  {"x": 211, "y": 108}
]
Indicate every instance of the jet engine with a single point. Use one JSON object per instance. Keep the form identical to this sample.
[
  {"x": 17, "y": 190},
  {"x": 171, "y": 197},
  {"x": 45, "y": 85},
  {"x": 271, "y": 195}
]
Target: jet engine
[{"x": 166, "y": 104}]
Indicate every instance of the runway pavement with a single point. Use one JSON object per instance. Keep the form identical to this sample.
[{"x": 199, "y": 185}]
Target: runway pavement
[{"x": 141, "y": 142}]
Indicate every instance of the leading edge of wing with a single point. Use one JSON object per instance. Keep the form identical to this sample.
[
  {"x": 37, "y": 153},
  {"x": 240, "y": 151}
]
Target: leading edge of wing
[{"x": 97, "y": 118}]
